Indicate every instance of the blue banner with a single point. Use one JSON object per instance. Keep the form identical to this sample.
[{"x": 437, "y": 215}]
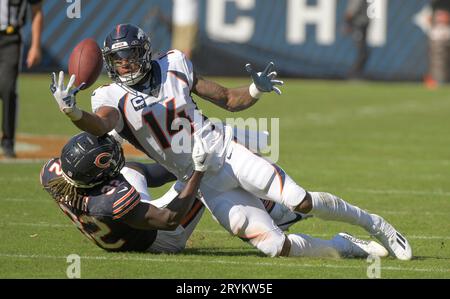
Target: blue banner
[{"x": 303, "y": 37}]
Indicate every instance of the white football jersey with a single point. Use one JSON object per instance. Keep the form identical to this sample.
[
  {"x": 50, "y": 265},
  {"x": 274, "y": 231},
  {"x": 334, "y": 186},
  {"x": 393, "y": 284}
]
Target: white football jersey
[{"x": 160, "y": 121}]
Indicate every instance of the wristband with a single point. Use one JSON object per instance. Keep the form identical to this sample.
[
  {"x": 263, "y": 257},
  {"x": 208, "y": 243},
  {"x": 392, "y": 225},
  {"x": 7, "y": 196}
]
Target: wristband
[
  {"x": 254, "y": 91},
  {"x": 76, "y": 114}
]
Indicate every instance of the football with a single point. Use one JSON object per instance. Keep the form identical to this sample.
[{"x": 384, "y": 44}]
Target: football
[{"x": 86, "y": 62}]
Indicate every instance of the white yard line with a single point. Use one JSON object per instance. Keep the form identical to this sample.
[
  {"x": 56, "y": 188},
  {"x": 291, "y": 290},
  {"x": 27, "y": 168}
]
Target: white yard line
[
  {"x": 271, "y": 263},
  {"x": 22, "y": 161},
  {"x": 19, "y": 179},
  {"x": 36, "y": 224},
  {"x": 40, "y": 201}
]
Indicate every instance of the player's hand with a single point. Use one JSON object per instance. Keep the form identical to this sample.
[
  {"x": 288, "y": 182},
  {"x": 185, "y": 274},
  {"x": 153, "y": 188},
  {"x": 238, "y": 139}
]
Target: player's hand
[
  {"x": 65, "y": 97},
  {"x": 199, "y": 155},
  {"x": 263, "y": 81}
]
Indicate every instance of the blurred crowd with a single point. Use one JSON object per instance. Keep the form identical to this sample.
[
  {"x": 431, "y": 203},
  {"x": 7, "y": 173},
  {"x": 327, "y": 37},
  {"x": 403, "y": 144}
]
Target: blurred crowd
[
  {"x": 439, "y": 44},
  {"x": 357, "y": 22}
]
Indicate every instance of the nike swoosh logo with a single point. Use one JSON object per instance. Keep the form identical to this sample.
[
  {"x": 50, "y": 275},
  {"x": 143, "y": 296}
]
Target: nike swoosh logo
[
  {"x": 229, "y": 156},
  {"x": 298, "y": 217}
]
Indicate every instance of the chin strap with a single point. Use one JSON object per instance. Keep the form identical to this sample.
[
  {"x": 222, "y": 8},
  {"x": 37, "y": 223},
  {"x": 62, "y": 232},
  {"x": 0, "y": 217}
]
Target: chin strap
[{"x": 133, "y": 78}]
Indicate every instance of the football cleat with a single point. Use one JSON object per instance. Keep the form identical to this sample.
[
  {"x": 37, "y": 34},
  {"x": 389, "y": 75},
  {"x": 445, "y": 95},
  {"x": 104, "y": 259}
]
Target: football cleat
[
  {"x": 353, "y": 247},
  {"x": 395, "y": 243}
]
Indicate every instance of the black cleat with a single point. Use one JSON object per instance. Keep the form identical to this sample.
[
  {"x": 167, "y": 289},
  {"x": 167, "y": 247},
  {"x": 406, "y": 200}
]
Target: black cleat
[{"x": 8, "y": 152}]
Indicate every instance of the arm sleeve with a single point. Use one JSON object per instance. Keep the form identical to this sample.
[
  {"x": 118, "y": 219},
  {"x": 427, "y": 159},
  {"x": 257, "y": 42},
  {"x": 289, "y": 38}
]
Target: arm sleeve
[
  {"x": 100, "y": 97},
  {"x": 189, "y": 70},
  {"x": 126, "y": 203},
  {"x": 181, "y": 66}
]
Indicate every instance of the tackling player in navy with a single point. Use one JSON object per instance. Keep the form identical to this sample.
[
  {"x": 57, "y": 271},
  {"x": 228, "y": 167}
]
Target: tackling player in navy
[{"x": 91, "y": 186}]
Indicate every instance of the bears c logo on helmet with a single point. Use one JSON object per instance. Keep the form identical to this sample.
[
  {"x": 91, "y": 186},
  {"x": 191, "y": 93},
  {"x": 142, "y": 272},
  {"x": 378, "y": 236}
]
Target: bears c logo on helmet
[{"x": 103, "y": 160}]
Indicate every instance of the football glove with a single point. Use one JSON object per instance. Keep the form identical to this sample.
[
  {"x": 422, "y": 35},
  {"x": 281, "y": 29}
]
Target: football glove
[
  {"x": 199, "y": 155},
  {"x": 263, "y": 81},
  {"x": 66, "y": 97}
]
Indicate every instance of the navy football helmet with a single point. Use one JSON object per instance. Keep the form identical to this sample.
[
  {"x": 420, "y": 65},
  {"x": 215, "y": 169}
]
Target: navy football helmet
[
  {"x": 127, "y": 47},
  {"x": 88, "y": 160}
]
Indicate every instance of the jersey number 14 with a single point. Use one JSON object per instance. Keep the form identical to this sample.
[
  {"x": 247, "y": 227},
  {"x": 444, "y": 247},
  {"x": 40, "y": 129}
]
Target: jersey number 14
[{"x": 163, "y": 132}]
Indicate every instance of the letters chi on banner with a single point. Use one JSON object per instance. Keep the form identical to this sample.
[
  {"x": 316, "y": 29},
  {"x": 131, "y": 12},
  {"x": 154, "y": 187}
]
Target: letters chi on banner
[{"x": 304, "y": 38}]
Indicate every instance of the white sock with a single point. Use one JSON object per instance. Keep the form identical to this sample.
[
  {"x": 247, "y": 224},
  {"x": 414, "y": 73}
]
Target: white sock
[
  {"x": 303, "y": 245},
  {"x": 330, "y": 207}
]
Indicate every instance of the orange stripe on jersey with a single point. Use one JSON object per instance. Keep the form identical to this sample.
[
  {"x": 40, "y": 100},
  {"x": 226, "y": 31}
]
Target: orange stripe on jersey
[
  {"x": 117, "y": 30},
  {"x": 281, "y": 176},
  {"x": 127, "y": 210},
  {"x": 192, "y": 213},
  {"x": 118, "y": 202},
  {"x": 126, "y": 204},
  {"x": 281, "y": 182}
]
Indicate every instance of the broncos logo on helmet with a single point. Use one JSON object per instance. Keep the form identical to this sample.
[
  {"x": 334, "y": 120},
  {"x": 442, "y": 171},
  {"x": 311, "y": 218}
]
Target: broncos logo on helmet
[{"x": 127, "y": 54}]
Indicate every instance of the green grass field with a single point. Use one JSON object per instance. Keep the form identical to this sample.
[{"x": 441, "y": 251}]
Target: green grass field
[{"x": 383, "y": 147}]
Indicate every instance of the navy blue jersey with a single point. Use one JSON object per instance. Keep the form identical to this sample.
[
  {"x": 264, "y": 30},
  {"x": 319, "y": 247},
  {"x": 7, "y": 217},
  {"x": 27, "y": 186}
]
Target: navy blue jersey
[{"x": 98, "y": 216}]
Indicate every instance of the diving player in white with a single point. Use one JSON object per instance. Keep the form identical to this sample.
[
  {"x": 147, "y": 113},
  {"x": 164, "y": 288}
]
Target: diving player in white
[{"x": 150, "y": 105}]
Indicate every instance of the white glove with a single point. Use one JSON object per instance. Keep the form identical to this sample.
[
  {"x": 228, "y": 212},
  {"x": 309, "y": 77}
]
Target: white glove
[
  {"x": 66, "y": 97},
  {"x": 199, "y": 155},
  {"x": 263, "y": 81}
]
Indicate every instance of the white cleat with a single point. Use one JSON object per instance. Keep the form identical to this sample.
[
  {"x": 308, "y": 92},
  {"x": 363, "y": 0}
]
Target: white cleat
[
  {"x": 354, "y": 247},
  {"x": 395, "y": 243}
]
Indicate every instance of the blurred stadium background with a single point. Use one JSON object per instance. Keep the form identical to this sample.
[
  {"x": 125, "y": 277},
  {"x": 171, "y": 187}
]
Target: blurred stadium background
[
  {"x": 304, "y": 37},
  {"x": 382, "y": 145}
]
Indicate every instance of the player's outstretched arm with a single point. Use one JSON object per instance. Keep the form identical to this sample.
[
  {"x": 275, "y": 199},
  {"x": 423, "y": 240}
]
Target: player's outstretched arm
[
  {"x": 97, "y": 124},
  {"x": 146, "y": 216},
  {"x": 237, "y": 99},
  {"x": 100, "y": 123}
]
